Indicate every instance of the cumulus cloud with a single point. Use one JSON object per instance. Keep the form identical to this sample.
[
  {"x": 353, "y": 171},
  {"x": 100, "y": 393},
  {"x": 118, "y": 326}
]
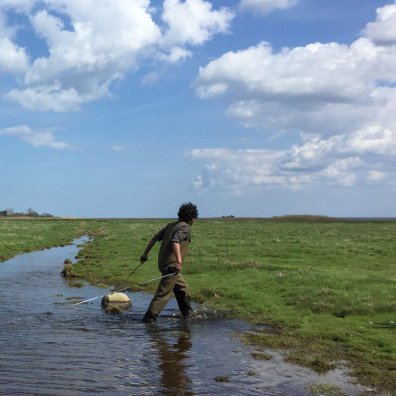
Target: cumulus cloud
[
  {"x": 318, "y": 72},
  {"x": 383, "y": 30},
  {"x": 320, "y": 88},
  {"x": 266, "y": 6},
  {"x": 338, "y": 98},
  {"x": 102, "y": 42},
  {"x": 52, "y": 97},
  {"x": 37, "y": 138},
  {"x": 174, "y": 55},
  {"x": 13, "y": 59},
  {"x": 193, "y": 21},
  {"x": 340, "y": 160},
  {"x": 237, "y": 168},
  {"x": 304, "y": 87},
  {"x": 93, "y": 43}
]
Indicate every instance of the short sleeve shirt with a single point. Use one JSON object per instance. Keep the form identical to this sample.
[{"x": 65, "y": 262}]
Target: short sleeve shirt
[{"x": 179, "y": 232}]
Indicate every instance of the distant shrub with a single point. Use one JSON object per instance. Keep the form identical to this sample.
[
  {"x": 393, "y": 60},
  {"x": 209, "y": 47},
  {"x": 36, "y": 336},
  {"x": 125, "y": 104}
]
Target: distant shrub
[{"x": 29, "y": 213}]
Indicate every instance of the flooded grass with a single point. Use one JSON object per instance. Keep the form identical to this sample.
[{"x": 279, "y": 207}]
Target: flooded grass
[
  {"x": 320, "y": 286},
  {"x": 325, "y": 390},
  {"x": 222, "y": 378},
  {"x": 261, "y": 356}
]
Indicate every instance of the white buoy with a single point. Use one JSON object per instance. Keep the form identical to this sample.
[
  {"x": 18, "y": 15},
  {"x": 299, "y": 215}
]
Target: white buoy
[{"x": 116, "y": 300}]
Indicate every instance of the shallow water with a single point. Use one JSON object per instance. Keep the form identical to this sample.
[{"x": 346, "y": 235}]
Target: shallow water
[{"x": 51, "y": 348}]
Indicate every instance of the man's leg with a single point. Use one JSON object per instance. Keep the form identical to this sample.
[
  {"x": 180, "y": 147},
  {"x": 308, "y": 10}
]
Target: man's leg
[
  {"x": 161, "y": 297},
  {"x": 182, "y": 294}
]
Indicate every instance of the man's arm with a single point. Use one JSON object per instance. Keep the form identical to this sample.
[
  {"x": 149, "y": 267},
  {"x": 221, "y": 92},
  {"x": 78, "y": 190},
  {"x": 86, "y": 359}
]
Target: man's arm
[
  {"x": 151, "y": 243},
  {"x": 176, "y": 251}
]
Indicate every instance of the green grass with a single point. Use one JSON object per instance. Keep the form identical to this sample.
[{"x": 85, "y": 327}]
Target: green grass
[
  {"x": 319, "y": 284},
  {"x": 25, "y": 235}
]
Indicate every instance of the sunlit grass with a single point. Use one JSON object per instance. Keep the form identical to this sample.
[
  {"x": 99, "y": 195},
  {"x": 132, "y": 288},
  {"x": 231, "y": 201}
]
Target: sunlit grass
[
  {"x": 327, "y": 286},
  {"x": 25, "y": 235}
]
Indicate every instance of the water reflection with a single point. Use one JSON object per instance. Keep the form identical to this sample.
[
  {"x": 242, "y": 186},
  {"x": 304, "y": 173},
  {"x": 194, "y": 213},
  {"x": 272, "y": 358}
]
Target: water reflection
[
  {"x": 173, "y": 357},
  {"x": 51, "y": 348}
]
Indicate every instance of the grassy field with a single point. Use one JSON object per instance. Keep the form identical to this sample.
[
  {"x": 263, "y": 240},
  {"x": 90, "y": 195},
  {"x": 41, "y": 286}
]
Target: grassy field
[
  {"x": 327, "y": 288},
  {"x": 25, "y": 235}
]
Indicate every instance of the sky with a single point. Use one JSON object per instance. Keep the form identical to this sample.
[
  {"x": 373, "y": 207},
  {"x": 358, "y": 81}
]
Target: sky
[{"x": 253, "y": 108}]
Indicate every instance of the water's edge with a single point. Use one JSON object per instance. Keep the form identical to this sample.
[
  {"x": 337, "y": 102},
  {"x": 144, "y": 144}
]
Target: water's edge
[{"x": 50, "y": 347}]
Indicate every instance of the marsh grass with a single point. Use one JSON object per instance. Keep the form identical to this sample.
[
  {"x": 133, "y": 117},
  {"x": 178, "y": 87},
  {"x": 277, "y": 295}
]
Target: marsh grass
[
  {"x": 25, "y": 235},
  {"x": 325, "y": 389},
  {"x": 317, "y": 284},
  {"x": 258, "y": 355}
]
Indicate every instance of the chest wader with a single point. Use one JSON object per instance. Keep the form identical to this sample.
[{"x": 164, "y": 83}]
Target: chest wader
[{"x": 175, "y": 284}]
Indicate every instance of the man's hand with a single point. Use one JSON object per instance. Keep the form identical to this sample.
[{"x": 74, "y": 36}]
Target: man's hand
[
  {"x": 151, "y": 243},
  {"x": 178, "y": 266}
]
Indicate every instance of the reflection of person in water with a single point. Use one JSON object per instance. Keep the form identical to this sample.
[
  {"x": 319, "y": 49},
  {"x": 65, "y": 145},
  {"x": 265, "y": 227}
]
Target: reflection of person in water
[{"x": 172, "y": 356}]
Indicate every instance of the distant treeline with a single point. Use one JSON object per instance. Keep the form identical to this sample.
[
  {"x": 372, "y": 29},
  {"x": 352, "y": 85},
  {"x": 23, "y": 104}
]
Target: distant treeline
[{"x": 29, "y": 213}]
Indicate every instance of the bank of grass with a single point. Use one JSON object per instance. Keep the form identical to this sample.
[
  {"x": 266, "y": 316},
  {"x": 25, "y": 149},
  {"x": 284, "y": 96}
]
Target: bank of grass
[
  {"x": 25, "y": 234},
  {"x": 326, "y": 288}
]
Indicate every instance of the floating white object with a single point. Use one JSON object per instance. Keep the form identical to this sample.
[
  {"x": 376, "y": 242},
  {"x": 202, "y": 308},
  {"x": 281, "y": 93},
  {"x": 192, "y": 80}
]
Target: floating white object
[{"x": 117, "y": 298}]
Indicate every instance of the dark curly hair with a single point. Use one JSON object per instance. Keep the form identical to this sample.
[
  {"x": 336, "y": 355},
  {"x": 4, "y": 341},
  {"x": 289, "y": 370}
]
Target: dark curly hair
[{"x": 187, "y": 212}]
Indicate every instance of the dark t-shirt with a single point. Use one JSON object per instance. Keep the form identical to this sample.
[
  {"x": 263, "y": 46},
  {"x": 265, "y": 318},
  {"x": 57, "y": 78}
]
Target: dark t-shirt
[{"x": 177, "y": 231}]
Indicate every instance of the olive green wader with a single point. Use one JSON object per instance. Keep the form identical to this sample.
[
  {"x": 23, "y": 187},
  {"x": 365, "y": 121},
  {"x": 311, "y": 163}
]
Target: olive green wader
[
  {"x": 179, "y": 232},
  {"x": 172, "y": 284}
]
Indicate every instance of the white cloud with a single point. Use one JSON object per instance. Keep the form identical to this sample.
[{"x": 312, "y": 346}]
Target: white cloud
[
  {"x": 53, "y": 97},
  {"x": 344, "y": 160},
  {"x": 117, "y": 147},
  {"x": 198, "y": 182},
  {"x": 266, "y": 6},
  {"x": 37, "y": 138},
  {"x": 175, "y": 55},
  {"x": 236, "y": 168},
  {"x": 375, "y": 176},
  {"x": 373, "y": 139},
  {"x": 104, "y": 41},
  {"x": 314, "y": 162},
  {"x": 318, "y": 72},
  {"x": 93, "y": 43},
  {"x": 341, "y": 173},
  {"x": 13, "y": 59},
  {"x": 321, "y": 88},
  {"x": 193, "y": 21},
  {"x": 383, "y": 30},
  {"x": 339, "y": 98},
  {"x": 151, "y": 78}
]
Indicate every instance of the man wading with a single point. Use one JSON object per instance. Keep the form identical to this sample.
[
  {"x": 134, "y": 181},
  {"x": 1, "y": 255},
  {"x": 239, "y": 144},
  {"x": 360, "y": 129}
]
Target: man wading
[{"x": 175, "y": 238}]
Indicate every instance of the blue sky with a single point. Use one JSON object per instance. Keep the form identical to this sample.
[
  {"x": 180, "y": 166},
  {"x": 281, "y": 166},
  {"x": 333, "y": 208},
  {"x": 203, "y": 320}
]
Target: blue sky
[{"x": 120, "y": 108}]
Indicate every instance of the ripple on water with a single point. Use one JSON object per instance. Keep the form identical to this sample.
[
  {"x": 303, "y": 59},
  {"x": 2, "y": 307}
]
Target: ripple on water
[{"x": 49, "y": 347}]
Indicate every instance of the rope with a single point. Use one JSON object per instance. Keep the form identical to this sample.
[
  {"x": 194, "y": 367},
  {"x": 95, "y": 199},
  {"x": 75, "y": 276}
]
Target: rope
[{"x": 117, "y": 291}]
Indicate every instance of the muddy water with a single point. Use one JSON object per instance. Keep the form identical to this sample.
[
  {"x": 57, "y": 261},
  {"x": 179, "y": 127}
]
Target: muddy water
[{"x": 50, "y": 348}]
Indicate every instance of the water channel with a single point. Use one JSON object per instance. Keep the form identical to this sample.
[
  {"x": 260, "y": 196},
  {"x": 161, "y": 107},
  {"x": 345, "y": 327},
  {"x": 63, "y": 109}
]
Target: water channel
[{"x": 51, "y": 348}]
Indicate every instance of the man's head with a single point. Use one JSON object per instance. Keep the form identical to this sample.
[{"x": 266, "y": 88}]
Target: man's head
[{"x": 188, "y": 212}]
